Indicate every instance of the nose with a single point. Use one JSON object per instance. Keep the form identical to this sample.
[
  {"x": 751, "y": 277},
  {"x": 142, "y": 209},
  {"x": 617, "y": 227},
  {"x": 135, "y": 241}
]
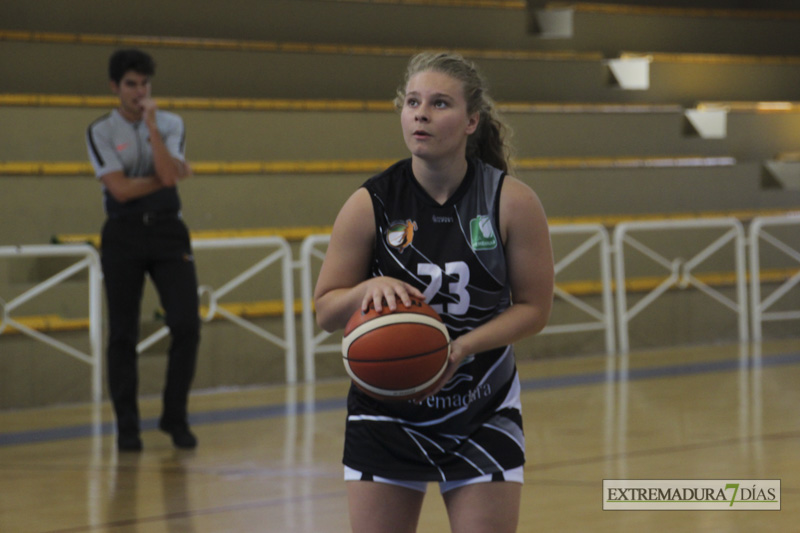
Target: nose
[{"x": 421, "y": 115}]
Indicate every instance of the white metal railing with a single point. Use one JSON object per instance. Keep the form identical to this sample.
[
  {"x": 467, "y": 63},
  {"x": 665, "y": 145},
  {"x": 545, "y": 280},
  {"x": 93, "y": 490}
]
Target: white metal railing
[
  {"x": 313, "y": 248},
  {"x": 760, "y": 308},
  {"x": 89, "y": 260},
  {"x": 680, "y": 270},
  {"x": 604, "y": 317},
  {"x": 281, "y": 253},
  {"x": 313, "y": 341}
]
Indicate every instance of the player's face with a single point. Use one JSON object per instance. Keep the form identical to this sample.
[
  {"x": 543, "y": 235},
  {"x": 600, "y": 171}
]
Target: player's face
[
  {"x": 132, "y": 89},
  {"x": 434, "y": 116}
]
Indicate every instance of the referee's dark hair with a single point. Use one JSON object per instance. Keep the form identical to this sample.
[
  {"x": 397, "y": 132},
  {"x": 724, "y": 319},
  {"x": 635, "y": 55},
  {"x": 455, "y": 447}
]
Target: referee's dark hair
[{"x": 122, "y": 61}]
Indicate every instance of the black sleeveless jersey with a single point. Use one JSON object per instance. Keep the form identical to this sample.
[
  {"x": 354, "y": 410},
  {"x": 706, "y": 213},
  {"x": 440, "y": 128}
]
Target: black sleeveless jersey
[{"x": 453, "y": 253}]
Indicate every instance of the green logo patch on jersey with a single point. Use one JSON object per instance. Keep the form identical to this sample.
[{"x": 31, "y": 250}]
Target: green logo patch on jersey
[{"x": 482, "y": 233}]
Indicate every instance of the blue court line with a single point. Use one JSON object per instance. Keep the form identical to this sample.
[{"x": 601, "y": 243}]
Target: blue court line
[
  {"x": 319, "y": 406},
  {"x": 636, "y": 374}
]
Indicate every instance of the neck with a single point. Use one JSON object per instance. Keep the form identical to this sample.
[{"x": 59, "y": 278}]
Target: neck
[
  {"x": 440, "y": 179},
  {"x": 130, "y": 117}
]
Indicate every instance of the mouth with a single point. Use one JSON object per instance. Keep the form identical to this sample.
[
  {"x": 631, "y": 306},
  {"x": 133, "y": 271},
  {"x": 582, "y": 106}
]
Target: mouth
[{"x": 420, "y": 134}]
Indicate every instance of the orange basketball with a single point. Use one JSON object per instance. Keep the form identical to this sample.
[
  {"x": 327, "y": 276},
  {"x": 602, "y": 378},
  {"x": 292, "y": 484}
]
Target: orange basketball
[{"x": 396, "y": 355}]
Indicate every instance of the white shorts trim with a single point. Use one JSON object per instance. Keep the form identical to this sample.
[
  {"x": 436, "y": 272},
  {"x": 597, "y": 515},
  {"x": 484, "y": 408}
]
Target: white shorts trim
[{"x": 515, "y": 475}]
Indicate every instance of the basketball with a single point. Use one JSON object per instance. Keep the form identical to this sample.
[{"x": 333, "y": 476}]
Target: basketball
[{"x": 396, "y": 355}]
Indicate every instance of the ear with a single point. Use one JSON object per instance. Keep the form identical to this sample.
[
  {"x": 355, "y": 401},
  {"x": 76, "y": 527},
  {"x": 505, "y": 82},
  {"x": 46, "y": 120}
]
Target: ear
[
  {"x": 114, "y": 87},
  {"x": 472, "y": 124}
]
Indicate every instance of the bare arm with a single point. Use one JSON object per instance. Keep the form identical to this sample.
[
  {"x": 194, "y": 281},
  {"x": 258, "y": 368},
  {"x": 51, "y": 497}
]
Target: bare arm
[
  {"x": 529, "y": 258},
  {"x": 343, "y": 285},
  {"x": 169, "y": 169}
]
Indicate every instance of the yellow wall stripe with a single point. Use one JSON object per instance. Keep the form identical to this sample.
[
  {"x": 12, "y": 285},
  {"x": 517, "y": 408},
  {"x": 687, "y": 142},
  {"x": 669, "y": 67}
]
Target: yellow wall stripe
[
  {"x": 209, "y": 104},
  {"x": 298, "y": 233},
  {"x": 362, "y": 166},
  {"x": 255, "y": 104},
  {"x": 284, "y": 47},
  {"x": 362, "y": 50},
  {"x": 489, "y": 4},
  {"x": 292, "y": 234}
]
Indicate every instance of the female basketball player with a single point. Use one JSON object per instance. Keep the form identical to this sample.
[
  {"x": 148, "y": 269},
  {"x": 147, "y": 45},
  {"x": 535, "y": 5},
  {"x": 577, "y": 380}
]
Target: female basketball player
[{"x": 477, "y": 248}]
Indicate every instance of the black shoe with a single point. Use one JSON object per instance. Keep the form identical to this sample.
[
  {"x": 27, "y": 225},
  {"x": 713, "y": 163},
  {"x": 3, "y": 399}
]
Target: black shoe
[
  {"x": 129, "y": 443},
  {"x": 181, "y": 436}
]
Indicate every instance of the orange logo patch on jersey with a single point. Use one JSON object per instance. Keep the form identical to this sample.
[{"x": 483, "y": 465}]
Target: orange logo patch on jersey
[{"x": 400, "y": 234}]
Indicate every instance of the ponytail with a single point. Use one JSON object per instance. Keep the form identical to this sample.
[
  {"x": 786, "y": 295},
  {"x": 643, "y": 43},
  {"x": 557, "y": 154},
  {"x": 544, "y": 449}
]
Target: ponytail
[{"x": 488, "y": 142}]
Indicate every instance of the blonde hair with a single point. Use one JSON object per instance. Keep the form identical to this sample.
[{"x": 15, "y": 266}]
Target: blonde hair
[{"x": 489, "y": 141}]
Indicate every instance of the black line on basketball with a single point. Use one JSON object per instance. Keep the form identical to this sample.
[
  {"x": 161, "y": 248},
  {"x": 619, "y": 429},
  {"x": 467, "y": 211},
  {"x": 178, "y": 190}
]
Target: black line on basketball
[{"x": 404, "y": 357}]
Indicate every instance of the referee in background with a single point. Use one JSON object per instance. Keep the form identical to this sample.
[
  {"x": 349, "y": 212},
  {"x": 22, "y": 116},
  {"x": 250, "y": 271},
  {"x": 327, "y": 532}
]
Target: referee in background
[{"x": 137, "y": 152}]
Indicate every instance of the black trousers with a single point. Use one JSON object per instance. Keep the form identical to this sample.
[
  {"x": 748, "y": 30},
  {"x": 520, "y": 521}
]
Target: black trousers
[{"x": 158, "y": 246}]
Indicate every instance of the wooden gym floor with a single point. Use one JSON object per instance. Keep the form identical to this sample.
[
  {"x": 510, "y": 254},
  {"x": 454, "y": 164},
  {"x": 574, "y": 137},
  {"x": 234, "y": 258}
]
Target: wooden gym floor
[{"x": 269, "y": 458}]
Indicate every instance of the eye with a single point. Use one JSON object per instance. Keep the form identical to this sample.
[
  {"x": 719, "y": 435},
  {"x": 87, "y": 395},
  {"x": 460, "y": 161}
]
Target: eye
[
  {"x": 411, "y": 101},
  {"x": 440, "y": 104}
]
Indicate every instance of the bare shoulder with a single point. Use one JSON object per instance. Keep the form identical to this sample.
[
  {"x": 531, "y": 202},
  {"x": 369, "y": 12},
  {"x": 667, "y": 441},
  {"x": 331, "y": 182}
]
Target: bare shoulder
[
  {"x": 516, "y": 194},
  {"x": 519, "y": 206},
  {"x": 351, "y": 239},
  {"x": 356, "y": 213}
]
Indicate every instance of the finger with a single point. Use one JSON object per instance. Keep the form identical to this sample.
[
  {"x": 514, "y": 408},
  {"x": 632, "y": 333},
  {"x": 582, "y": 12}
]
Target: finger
[
  {"x": 402, "y": 293},
  {"x": 391, "y": 299},
  {"x": 371, "y": 299},
  {"x": 377, "y": 301},
  {"x": 413, "y": 291}
]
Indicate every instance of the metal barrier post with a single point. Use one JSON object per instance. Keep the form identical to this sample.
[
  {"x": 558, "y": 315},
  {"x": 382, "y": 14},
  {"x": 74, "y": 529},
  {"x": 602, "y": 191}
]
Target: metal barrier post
[
  {"x": 312, "y": 343},
  {"x": 597, "y": 235},
  {"x": 90, "y": 261},
  {"x": 284, "y": 254},
  {"x": 760, "y": 308},
  {"x": 680, "y": 270}
]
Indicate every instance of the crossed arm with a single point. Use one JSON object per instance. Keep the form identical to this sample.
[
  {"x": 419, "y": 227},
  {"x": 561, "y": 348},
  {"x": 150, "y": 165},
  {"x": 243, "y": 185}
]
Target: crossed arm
[{"x": 169, "y": 170}]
